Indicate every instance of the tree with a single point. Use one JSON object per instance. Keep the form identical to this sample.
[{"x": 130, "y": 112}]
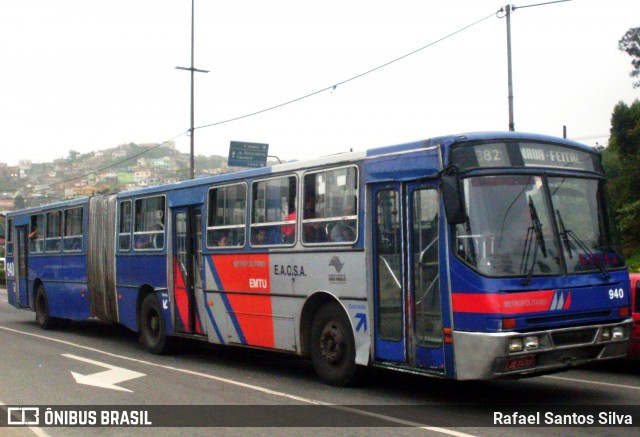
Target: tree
[
  {"x": 630, "y": 43},
  {"x": 73, "y": 155},
  {"x": 622, "y": 165}
]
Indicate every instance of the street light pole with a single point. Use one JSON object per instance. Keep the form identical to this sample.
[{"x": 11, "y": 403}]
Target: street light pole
[{"x": 192, "y": 69}]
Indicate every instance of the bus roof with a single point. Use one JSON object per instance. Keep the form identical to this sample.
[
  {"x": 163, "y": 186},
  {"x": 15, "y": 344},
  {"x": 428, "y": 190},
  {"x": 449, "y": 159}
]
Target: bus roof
[{"x": 348, "y": 157}]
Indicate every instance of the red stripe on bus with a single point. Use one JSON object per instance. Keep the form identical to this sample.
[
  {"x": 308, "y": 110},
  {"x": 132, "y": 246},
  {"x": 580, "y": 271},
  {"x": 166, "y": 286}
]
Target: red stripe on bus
[
  {"x": 180, "y": 292},
  {"x": 243, "y": 272},
  {"x": 503, "y": 303},
  {"x": 249, "y": 273}
]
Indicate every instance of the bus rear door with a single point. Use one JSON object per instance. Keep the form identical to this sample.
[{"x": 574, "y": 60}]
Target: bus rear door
[
  {"x": 407, "y": 292},
  {"x": 187, "y": 269}
]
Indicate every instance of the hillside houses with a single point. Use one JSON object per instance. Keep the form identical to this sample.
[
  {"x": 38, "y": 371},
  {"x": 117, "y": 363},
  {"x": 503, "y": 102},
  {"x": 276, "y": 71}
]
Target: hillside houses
[{"x": 124, "y": 167}]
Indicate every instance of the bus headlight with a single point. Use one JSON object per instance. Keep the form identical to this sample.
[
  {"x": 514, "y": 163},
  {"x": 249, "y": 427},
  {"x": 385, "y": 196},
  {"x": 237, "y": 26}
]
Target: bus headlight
[
  {"x": 531, "y": 342},
  {"x": 515, "y": 345},
  {"x": 618, "y": 333},
  {"x": 606, "y": 334}
]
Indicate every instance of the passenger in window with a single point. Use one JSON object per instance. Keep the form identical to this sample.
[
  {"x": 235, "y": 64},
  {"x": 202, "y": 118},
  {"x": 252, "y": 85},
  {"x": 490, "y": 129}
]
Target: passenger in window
[
  {"x": 312, "y": 231},
  {"x": 76, "y": 244},
  {"x": 36, "y": 240},
  {"x": 310, "y": 208},
  {"x": 289, "y": 231},
  {"x": 341, "y": 233},
  {"x": 151, "y": 241},
  {"x": 222, "y": 241},
  {"x": 35, "y": 234},
  {"x": 259, "y": 237},
  {"x": 143, "y": 242}
]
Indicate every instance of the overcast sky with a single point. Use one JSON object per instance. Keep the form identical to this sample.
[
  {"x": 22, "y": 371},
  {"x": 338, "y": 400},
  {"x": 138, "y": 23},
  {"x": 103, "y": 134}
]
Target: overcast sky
[{"x": 92, "y": 74}]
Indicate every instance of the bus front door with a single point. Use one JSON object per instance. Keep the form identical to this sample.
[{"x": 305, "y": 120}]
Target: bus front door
[
  {"x": 187, "y": 269},
  {"x": 407, "y": 293},
  {"x": 21, "y": 266}
]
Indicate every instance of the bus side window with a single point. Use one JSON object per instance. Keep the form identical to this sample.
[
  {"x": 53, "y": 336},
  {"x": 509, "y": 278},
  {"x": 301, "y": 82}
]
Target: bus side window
[
  {"x": 54, "y": 231},
  {"x": 10, "y": 237},
  {"x": 36, "y": 233},
  {"x": 72, "y": 240},
  {"x": 149, "y": 227},
  {"x": 124, "y": 227},
  {"x": 226, "y": 220},
  {"x": 273, "y": 211},
  {"x": 331, "y": 206}
]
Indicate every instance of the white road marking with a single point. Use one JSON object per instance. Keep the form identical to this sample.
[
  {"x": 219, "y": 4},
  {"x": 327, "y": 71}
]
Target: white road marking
[
  {"x": 106, "y": 379},
  {"x": 586, "y": 381},
  {"x": 250, "y": 386}
]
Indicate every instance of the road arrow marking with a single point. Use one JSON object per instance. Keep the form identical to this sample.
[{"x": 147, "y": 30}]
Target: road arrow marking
[{"x": 108, "y": 378}]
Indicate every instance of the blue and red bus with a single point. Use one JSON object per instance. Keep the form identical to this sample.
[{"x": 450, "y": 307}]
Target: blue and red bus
[{"x": 476, "y": 256}]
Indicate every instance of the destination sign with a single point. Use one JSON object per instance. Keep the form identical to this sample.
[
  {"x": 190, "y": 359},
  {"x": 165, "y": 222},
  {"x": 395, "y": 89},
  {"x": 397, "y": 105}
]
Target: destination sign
[
  {"x": 243, "y": 154},
  {"x": 547, "y": 155},
  {"x": 521, "y": 154}
]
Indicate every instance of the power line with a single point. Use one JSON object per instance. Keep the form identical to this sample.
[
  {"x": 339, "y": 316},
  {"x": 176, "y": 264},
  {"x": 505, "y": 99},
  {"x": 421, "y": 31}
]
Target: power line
[
  {"x": 332, "y": 87},
  {"x": 539, "y": 4}
]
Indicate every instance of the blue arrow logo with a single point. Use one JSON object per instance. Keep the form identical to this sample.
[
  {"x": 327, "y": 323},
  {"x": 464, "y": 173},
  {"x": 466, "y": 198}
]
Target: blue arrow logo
[{"x": 363, "y": 321}]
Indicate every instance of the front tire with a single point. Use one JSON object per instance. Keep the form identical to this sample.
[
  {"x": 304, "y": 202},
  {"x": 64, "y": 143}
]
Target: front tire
[
  {"x": 332, "y": 344},
  {"x": 152, "y": 328}
]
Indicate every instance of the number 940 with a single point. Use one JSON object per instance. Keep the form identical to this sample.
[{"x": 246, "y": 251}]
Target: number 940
[{"x": 617, "y": 293}]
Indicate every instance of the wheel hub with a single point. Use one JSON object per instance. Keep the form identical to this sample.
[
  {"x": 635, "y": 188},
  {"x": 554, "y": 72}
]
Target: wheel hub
[
  {"x": 154, "y": 323},
  {"x": 331, "y": 344}
]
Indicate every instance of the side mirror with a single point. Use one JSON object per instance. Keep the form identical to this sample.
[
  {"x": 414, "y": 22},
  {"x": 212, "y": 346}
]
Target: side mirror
[{"x": 453, "y": 196}]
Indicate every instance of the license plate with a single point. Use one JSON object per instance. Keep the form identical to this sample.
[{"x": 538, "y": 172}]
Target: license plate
[{"x": 517, "y": 363}]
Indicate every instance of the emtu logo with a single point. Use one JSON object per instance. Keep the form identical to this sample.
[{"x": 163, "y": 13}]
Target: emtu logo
[{"x": 561, "y": 301}]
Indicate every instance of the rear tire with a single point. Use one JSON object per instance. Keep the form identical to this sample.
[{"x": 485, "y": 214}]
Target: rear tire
[
  {"x": 152, "y": 328},
  {"x": 45, "y": 321},
  {"x": 333, "y": 350}
]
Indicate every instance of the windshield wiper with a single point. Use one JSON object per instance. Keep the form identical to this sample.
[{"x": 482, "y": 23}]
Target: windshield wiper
[
  {"x": 537, "y": 227},
  {"x": 534, "y": 229},
  {"x": 565, "y": 234},
  {"x": 525, "y": 257}
]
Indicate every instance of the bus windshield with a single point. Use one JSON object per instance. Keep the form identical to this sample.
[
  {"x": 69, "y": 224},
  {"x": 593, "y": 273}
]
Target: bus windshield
[{"x": 510, "y": 229}]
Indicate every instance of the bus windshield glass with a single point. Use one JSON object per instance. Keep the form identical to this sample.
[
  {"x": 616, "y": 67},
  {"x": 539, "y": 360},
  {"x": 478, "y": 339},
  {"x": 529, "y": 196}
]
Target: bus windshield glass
[
  {"x": 583, "y": 227},
  {"x": 510, "y": 229}
]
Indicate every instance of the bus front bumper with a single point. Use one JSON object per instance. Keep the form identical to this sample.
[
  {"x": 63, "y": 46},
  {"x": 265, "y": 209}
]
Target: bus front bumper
[{"x": 481, "y": 355}]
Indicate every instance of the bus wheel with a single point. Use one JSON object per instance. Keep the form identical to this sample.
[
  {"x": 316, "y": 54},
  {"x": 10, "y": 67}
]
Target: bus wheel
[
  {"x": 333, "y": 349},
  {"x": 45, "y": 321},
  {"x": 152, "y": 329}
]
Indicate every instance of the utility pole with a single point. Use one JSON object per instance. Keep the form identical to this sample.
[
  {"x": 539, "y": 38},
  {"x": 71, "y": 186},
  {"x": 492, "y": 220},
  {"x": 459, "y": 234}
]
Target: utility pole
[
  {"x": 509, "y": 8},
  {"x": 192, "y": 69}
]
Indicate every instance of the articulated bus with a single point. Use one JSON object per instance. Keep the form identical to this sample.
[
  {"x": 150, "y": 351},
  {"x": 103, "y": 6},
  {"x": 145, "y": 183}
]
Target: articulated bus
[{"x": 477, "y": 256}]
